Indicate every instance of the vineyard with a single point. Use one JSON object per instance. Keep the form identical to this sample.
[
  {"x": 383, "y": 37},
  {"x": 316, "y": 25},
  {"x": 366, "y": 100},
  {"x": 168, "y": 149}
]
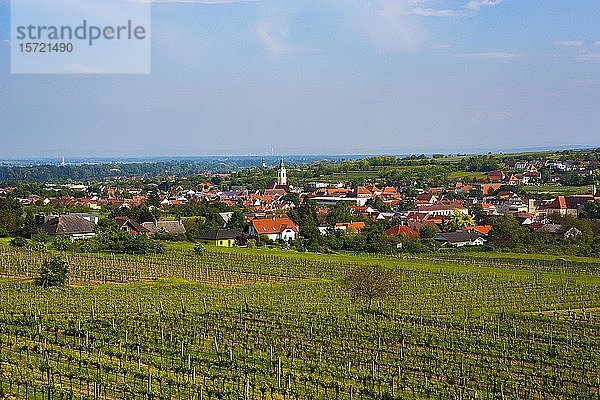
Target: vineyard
[{"x": 256, "y": 326}]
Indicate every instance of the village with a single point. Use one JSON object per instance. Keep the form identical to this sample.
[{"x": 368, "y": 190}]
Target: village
[{"x": 456, "y": 215}]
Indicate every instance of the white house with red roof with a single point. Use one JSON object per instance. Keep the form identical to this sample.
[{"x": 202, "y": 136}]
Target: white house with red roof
[{"x": 275, "y": 227}]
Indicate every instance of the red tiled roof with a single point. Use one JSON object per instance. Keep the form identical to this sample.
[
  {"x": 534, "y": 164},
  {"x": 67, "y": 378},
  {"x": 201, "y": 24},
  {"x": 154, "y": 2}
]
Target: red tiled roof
[
  {"x": 483, "y": 229},
  {"x": 363, "y": 190},
  {"x": 352, "y": 226},
  {"x": 273, "y": 225},
  {"x": 403, "y": 230}
]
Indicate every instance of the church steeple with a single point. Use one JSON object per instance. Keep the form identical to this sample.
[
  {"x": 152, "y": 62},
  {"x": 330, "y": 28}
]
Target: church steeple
[{"x": 281, "y": 174}]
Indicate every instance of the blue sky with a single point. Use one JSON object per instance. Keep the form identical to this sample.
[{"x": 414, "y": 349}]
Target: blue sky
[{"x": 328, "y": 76}]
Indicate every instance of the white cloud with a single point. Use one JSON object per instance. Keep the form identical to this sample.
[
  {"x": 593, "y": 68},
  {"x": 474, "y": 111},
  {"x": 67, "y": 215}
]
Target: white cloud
[
  {"x": 573, "y": 44},
  {"x": 491, "y": 55},
  {"x": 274, "y": 38},
  {"x": 432, "y": 12},
  {"x": 477, "y": 4},
  {"x": 386, "y": 25},
  {"x": 585, "y": 53}
]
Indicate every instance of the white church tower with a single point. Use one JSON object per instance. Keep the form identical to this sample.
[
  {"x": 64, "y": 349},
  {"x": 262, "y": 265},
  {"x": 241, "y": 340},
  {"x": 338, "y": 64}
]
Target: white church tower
[{"x": 281, "y": 174}]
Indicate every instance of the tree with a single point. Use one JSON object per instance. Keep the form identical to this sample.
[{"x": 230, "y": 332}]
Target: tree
[
  {"x": 106, "y": 225},
  {"x": 153, "y": 199},
  {"x": 40, "y": 236},
  {"x": 371, "y": 281},
  {"x": 508, "y": 233},
  {"x": 237, "y": 221},
  {"x": 591, "y": 210},
  {"x": 28, "y": 223},
  {"x": 338, "y": 213},
  {"x": 376, "y": 241},
  {"x": 199, "y": 249},
  {"x": 10, "y": 214},
  {"x": 53, "y": 273},
  {"x": 292, "y": 197},
  {"x": 459, "y": 220},
  {"x": 379, "y": 205},
  {"x": 427, "y": 232}
]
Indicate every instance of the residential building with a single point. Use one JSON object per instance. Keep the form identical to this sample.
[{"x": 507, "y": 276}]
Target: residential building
[
  {"x": 221, "y": 237},
  {"x": 460, "y": 239},
  {"x": 73, "y": 226},
  {"x": 275, "y": 227}
]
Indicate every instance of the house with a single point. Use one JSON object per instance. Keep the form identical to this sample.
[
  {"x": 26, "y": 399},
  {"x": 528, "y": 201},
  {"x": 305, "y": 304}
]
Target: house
[
  {"x": 275, "y": 227},
  {"x": 482, "y": 229},
  {"x": 403, "y": 230},
  {"x": 330, "y": 201},
  {"x": 221, "y": 237},
  {"x": 226, "y": 217},
  {"x": 486, "y": 188},
  {"x": 442, "y": 209},
  {"x": 521, "y": 165},
  {"x": 531, "y": 176},
  {"x": 489, "y": 208},
  {"x": 509, "y": 204},
  {"x": 515, "y": 179},
  {"x": 350, "y": 226},
  {"x": 416, "y": 225},
  {"x": 524, "y": 218},
  {"x": 496, "y": 176},
  {"x": 171, "y": 227},
  {"x": 567, "y": 205},
  {"x": 558, "y": 231},
  {"x": 130, "y": 226},
  {"x": 361, "y": 192},
  {"x": 460, "y": 239},
  {"x": 426, "y": 198},
  {"x": 73, "y": 226}
]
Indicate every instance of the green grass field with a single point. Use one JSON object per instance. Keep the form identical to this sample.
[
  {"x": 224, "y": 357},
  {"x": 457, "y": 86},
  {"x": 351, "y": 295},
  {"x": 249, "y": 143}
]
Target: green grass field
[
  {"x": 274, "y": 324},
  {"x": 558, "y": 190}
]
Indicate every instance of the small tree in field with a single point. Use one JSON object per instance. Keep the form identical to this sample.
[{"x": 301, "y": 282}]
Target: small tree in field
[
  {"x": 199, "y": 249},
  {"x": 371, "y": 281},
  {"x": 54, "y": 273}
]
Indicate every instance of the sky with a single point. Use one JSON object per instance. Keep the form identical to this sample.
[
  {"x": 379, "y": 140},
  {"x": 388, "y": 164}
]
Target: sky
[{"x": 324, "y": 77}]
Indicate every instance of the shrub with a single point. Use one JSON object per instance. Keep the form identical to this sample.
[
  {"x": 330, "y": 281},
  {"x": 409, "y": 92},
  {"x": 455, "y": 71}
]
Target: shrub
[
  {"x": 18, "y": 242},
  {"x": 40, "y": 236},
  {"x": 61, "y": 243}
]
